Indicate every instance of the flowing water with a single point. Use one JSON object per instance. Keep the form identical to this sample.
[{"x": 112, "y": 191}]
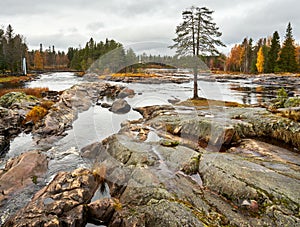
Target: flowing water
[{"x": 98, "y": 123}]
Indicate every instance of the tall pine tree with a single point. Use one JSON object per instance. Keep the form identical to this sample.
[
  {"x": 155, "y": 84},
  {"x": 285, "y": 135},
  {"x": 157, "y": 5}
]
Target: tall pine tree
[
  {"x": 287, "y": 61},
  {"x": 197, "y": 35},
  {"x": 272, "y": 64}
]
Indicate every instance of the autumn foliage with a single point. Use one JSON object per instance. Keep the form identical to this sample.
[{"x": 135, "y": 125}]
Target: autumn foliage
[
  {"x": 35, "y": 114},
  {"x": 267, "y": 56},
  {"x": 234, "y": 60},
  {"x": 260, "y": 60}
]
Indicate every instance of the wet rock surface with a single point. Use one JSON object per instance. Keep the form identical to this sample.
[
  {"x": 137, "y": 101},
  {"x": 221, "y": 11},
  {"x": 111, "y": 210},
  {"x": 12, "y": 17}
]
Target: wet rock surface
[{"x": 120, "y": 106}]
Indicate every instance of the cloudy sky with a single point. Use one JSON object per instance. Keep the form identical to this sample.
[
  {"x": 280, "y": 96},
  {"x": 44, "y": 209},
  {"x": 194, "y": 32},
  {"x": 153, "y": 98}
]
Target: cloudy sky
[{"x": 66, "y": 23}]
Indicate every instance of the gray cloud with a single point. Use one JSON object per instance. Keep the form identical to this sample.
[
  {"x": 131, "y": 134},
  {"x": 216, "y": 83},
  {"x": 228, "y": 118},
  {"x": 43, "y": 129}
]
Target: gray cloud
[
  {"x": 95, "y": 26},
  {"x": 72, "y": 22}
]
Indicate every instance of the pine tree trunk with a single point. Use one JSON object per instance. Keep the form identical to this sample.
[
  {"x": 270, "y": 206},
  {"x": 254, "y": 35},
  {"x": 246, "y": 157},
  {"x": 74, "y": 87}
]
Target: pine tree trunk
[{"x": 195, "y": 84}]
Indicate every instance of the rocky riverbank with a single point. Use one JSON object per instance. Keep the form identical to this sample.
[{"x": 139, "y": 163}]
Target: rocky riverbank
[{"x": 177, "y": 166}]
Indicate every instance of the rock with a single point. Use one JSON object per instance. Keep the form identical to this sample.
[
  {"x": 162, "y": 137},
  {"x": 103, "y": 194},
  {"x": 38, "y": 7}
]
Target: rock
[
  {"x": 105, "y": 105},
  {"x": 169, "y": 143},
  {"x": 61, "y": 203},
  {"x": 239, "y": 179},
  {"x": 11, "y": 98},
  {"x": 22, "y": 171},
  {"x": 120, "y": 106},
  {"x": 101, "y": 211},
  {"x": 150, "y": 112},
  {"x": 125, "y": 93},
  {"x": 219, "y": 132},
  {"x": 174, "y": 101},
  {"x": 51, "y": 95}
]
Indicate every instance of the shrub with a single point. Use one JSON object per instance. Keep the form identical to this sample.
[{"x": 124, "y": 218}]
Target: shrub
[{"x": 35, "y": 114}]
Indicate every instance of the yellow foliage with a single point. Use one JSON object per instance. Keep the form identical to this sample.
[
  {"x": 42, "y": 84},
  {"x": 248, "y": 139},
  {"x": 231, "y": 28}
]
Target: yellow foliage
[
  {"x": 35, "y": 114},
  {"x": 38, "y": 60},
  {"x": 260, "y": 61}
]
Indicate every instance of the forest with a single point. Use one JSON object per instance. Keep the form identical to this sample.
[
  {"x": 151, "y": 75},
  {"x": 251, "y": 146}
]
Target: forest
[{"x": 268, "y": 55}]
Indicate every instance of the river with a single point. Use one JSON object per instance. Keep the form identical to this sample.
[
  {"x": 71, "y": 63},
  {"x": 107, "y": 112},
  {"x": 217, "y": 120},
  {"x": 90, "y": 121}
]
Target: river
[{"x": 101, "y": 123}]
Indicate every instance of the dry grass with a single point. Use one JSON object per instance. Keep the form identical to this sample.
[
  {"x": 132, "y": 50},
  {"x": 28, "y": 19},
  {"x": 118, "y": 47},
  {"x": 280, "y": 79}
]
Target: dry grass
[
  {"x": 28, "y": 91},
  {"x": 202, "y": 102},
  {"x": 14, "y": 79}
]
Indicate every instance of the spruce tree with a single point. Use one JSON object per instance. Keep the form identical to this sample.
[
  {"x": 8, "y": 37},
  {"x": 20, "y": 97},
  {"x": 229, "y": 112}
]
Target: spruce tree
[
  {"x": 287, "y": 61},
  {"x": 272, "y": 64}
]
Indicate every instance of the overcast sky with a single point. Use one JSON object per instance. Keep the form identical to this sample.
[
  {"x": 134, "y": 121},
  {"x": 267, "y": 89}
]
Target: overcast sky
[{"x": 66, "y": 23}]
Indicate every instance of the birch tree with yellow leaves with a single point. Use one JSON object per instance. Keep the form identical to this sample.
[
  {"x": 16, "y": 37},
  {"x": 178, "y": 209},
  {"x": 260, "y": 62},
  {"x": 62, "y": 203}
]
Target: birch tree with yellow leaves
[{"x": 260, "y": 60}]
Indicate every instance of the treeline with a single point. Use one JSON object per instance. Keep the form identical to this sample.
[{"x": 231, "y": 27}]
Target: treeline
[
  {"x": 12, "y": 50},
  {"x": 83, "y": 58},
  {"x": 267, "y": 56},
  {"x": 47, "y": 60}
]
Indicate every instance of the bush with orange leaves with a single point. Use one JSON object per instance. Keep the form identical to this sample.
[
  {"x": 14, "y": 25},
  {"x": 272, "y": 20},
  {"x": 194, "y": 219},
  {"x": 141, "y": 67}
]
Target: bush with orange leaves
[{"x": 35, "y": 114}]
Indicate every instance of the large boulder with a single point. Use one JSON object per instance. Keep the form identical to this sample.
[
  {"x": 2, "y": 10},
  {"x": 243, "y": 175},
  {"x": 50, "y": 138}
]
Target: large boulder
[
  {"x": 64, "y": 203},
  {"x": 22, "y": 171},
  {"x": 126, "y": 92},
  {"x": 223, "y": 127},
  {"x": 120, "y": 106}
]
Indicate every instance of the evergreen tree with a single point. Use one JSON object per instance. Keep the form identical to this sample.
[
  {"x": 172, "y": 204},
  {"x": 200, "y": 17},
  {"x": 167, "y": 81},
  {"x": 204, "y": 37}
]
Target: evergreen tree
[
  {"x": 272, "y": 64},
  {"x": 287, "y": 61},
  {"x": 14, "y": 49},
  {"x": 9, "y": 48},
  {"x": 2, "y": 57},
  {"x": 197, "y": 35}
]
